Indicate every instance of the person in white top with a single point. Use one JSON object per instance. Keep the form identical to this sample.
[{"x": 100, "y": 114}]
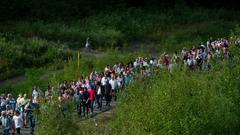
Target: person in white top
[
  {"x": 87, "y": 45},
  {"x": 104, "y": 80},
  {"x": 114, "y": 84},
  {"x": 99, "y": 95},
  {"x": 17, "y": 121},
  {"x": 107, "y": 68}
]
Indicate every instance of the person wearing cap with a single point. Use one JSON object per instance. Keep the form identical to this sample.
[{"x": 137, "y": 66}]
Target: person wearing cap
[{"x": 6, "y": 123}]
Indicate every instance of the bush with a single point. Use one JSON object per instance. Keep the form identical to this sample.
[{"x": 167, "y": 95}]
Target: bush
[{"x": 183, "y": 103}]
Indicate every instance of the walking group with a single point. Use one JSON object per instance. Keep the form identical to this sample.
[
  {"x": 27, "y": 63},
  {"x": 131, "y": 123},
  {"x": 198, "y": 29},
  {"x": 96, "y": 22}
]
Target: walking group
[
  {"x": 100, "y": 89},
  {"x": 17, "y": 114}
]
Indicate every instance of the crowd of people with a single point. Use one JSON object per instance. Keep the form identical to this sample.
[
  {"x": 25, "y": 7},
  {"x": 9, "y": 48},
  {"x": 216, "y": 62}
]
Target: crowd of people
[
  {"x": 88, "y": 93},
  {"x": 18, "y": 113}
]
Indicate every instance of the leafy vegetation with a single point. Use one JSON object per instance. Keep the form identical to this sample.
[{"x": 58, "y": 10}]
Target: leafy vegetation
[
  {"x": 183, "y": 102},
  {"x": 27, "y": 44},
  {"x": 18, "y": 54},
  {"x": 45, "y": 51}
]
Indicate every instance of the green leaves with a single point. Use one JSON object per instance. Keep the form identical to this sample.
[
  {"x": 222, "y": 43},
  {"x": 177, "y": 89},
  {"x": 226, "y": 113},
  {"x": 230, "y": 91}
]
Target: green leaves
[{"x": 182, "y": 103}]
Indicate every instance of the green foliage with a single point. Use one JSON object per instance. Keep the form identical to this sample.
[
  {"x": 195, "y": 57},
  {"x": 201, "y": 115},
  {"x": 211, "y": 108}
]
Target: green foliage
[
  {"x": 166, "y": 27},
  {"x": 16, "y": 55},
  {"x": 94, "y": 61},
  {"x": 183, "y": 103},
  {"x": 53, "y": 120}
]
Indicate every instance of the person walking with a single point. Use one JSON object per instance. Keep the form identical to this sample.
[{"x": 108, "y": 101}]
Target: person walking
[
  {"x": 18, "y": 122},
  {"x": 29, "y": 108},
  {"x": 92, "y": 94},
  {"x": 6, "y": 123},
  {"x": 108, "y": 93},
  {"x": 99, "y": 96}
]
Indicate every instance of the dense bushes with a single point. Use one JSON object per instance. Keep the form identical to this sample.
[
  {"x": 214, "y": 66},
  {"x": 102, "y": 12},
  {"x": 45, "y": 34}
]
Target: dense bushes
[
  {"x": 183, "y": 102},
  {"x": 118, "y": 28},
  {"x": 16, "y": 55}
]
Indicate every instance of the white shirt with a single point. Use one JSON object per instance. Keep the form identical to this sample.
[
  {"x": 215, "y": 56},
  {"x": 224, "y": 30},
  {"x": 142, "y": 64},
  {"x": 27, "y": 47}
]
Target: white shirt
[
  {"x": 104, "y": 81},
  {"x": 87, "y": 44},
  {"x": 119, "y": 81},
  {"x": 106, "y": 69},
  {"x": 99, "y": 91},
  {"x": 113, "y": 84},
  {"x": 18, "y": 121}
]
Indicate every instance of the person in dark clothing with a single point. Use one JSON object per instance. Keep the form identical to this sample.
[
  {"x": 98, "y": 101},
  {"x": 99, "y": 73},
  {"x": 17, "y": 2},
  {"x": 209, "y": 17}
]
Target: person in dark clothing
[
  {"x": 108, "y": 90},
  {"x": 64, "y": 86},
  {"x": 99, "y": 95},
  {"x": 84, "y": 102}
]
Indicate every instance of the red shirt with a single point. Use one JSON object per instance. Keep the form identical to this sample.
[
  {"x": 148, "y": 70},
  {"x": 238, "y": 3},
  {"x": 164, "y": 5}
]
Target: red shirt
[{"x": 91, "y": 94}]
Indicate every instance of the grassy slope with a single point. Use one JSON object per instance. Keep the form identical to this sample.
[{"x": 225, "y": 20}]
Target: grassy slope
[
  {"x": 168, "y": 30},
  {"x": 182, "y": 103},
  {"x": 151, "y": 31}
]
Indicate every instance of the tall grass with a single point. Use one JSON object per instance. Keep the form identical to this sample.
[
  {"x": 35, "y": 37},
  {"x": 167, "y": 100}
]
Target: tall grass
[{"x": 183, "y": 102}]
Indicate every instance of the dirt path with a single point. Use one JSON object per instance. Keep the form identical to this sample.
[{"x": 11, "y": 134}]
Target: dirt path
[{"x": 15, "y": 80}]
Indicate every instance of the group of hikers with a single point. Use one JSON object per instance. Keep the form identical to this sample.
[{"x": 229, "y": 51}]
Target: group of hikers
[
  {"x": 18, "y": 113},
  {"x": 88, "y": 93}
]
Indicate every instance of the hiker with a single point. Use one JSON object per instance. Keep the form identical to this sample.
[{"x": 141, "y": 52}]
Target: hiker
[
  {"x": 184, "y": 54},
  {"x": 62, "y": 105},
  {"x": 199, "y": 59},
  {"x": 85, "y": 101},
  {"x": 29, "y": 108},
  {"x": 87, "y": 44},
  {"x": 63, "y": 87},
  {"x": 35, "y": 91},
  {"x": 175, "y": 58},
  {"x": 190, "y": 61},
  {"x": 108, "y": 94},
  {"x": 120, "y": 82},
  {"x": 23, "y": 102},
  {"x": 92, "y": 94},
  {"x": 48, "y": 94},
  {"x": 165, "y": 60},
  {"x": 18, "y": 122},
  {"x": 226, "y": 52},
  {"x": 103, "y": 85},
  {"x": 6, "y": 123},
  {"x": 12, "y": 102},
  {"x": 3, "y": 103},
  {"x": 127, "y": 78},
  {"x": 99, "y": 95},
  {"x": 114, "y": 84},
  {"x": 8, "y": 111}
]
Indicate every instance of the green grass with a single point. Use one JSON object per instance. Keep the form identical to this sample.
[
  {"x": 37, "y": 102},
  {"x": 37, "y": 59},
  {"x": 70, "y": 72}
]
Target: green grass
[
  {"x": 37, "y": 42},
  {"x": 197, "y": 103},
  {"x": 182, "y": 103}
]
